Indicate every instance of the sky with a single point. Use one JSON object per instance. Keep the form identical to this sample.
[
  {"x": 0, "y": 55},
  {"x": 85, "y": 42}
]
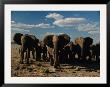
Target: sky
[{"x": 42, "y": 23}]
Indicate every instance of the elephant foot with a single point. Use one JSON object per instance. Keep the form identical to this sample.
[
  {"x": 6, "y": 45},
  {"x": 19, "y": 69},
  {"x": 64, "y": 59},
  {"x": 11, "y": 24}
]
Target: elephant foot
[
  {"x": 33, "y": 57},
  {"x": 56, "y": 66},
  {"x": 37, "y": 59},
  {"x": 51, "y": 62},
  {"x": 27, "y": 62}
]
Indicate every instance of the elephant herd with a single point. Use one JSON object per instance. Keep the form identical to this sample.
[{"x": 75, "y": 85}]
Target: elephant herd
[{"x": 56, "y": 48}]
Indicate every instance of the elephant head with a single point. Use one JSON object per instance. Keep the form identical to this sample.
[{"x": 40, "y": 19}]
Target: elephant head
[
  {"x": 17, "y": 38},
  {"x": 57, "y": 42}
]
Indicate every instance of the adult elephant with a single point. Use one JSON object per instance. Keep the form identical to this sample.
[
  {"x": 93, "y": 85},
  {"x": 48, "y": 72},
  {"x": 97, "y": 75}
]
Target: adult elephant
[
  {"x": 28, "y": 43},
  {"x": 84, "y": 46},
  {"x": 96, "y": 51},
  {"x": 56, "y": 42}
]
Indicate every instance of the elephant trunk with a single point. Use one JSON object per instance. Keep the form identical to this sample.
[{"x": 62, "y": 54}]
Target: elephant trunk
[
  {"x": 56, "y": 58},
  {"x": 56, "y": 51}
]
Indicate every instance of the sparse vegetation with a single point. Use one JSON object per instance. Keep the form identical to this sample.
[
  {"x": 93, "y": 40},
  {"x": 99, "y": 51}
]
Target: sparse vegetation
[{"x": 44, "y": 69}]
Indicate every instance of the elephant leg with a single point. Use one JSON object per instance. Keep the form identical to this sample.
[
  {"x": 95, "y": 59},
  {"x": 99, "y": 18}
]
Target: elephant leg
[
  {"x": 33, "y": 54},
  {"x": 51, "y": 61},
  {"x": 90, "y": 56},
  {"x": 70, "y": 59},
  {"x": 28, "y": 56},
  {"x": 37, "y": 55},
  {"x": 73, "y": 55},
  {"x": 44, "y": 56},
  {"x": 97, "y": 59},
  {"x": 56, "y": 63},
  {"x": 22, "y": 56}
]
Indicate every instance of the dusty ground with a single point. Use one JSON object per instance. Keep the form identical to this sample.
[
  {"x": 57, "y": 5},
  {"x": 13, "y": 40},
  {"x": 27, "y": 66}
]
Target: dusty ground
[{"x": 43, "y": 69}]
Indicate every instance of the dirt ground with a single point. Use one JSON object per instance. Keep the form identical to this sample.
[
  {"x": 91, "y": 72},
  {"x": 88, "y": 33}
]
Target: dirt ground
[{"x": 43, "y": 69}]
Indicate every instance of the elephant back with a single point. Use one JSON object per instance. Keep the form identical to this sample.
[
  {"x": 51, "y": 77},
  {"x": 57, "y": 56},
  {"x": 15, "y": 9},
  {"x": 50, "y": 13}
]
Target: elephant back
[
  {"x": 30, "y": 40},
  {"x": 17, "y": 38},
  {"x": 34, "y": 39}
]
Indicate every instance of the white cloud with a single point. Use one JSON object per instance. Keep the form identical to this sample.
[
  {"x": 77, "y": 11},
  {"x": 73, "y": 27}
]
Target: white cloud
[
  {"x": 20, "y": 30},
  {"x": 42, "y": 25},
  {"x": 60, "y": 21},
  {"x": 91, "y": 28},
  {"x": 13, "y": 22},
  {"x": 30, "y": 26},
  {"x": 55, "y": 16},
  {"x": 49, "y": 33},
  {"x": 69, "y": 22},
  {"x": 93, "y": 32}
]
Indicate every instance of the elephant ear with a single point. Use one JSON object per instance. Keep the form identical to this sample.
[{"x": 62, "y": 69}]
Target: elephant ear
[
  {"x": 64, "y": 39},
  {"x": 17, "y": 38},
  {"x": 88, "y": 41},
  {"x": 48, "y": 40},
  {"x": 79, "y": 41}
]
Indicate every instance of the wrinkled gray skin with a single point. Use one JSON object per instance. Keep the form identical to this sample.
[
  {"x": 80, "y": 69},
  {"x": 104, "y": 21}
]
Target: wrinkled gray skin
[
  {"x": 56, "y": 43},
  {"x": 28, "y": 43}
]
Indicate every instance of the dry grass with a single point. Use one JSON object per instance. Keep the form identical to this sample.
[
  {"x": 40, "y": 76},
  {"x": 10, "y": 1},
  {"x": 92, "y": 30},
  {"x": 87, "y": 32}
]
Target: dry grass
[{"x": 43, "y": 69}]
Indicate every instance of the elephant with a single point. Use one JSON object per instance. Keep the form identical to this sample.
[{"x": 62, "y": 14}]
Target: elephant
[
  {"x": 67, "y": 53},
  {"x": 71, "y": 50},
  {"x": 57, "y": 43},
  {"x": 28, "y": 43},
  {"x": 43, "y": 51},
  {"x": 83, "y": 44},
  {"x": 96, "y": 51}
]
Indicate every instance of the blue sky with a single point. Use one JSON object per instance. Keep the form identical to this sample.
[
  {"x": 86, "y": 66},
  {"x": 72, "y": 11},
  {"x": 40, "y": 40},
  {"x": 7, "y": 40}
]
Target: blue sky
[{"x": 41, "y": 23}]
